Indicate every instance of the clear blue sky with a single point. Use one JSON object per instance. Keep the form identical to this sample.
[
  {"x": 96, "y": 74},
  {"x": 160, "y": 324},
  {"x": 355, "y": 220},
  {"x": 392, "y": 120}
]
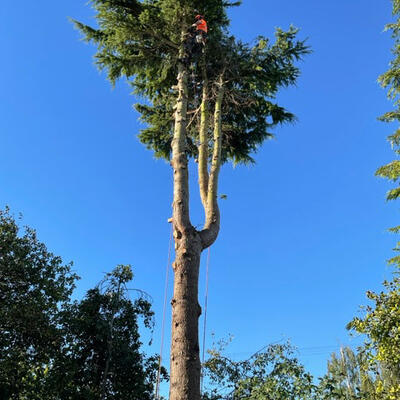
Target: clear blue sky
[{"x": 303, "y": 232}]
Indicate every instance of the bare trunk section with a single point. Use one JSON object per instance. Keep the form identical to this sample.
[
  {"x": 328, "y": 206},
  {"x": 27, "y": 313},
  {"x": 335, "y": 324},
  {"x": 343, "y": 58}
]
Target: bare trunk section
[
  {"x": 179, "y": 157},
  {"x": 203, "y": 138},
  {"x": 185, "y": 354},
  {"x": 211, "y": 228}
]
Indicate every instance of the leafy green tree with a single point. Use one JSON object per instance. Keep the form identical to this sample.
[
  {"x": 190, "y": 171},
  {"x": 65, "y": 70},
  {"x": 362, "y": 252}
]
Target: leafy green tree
[
  {"x": 101, "y": 357},
  {"x": 52, "y": 349},
  {"x": 213, "y": 107},
  {"x": 34, "y": 286},
  {"x": 380, "y": 324},
  {"x": 274, "y": 373}
]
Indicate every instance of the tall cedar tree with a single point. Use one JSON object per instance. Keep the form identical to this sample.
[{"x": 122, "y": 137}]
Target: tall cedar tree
[{"x": 217, "y": 107}]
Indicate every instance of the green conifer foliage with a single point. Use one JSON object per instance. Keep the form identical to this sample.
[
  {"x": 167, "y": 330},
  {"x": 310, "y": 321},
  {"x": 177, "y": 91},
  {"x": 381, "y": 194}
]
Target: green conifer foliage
[{"x": 390, "y": 80}]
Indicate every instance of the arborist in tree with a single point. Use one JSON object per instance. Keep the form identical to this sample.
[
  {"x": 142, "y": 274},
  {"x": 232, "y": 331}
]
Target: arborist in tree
[
  {"x": 196, "y": 39},
  {"x": 201, "y": 30}
]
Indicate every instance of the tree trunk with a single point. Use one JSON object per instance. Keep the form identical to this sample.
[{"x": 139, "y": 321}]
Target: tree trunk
[
  {"x": 185, "y": 354},
  {"x": 211, "y": 227},
  {"x": 189, "y": 243},
  {"x": 203, "y": 137}
]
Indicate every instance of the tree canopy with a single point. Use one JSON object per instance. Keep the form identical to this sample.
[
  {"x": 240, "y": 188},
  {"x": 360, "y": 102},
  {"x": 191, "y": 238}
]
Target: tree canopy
[{"x": 141, "y": 41}]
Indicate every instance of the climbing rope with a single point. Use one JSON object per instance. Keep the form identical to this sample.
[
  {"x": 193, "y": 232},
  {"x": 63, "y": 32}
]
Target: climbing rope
[
  {"x": 163, "y": 318},
  {"x": 205, "y": 318}
]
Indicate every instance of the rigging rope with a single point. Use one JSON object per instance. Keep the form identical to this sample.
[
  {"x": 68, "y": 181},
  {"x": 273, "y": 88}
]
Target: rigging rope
[
  {"x": 205, "y": 318},
  {"x": 163, "y": 318}
]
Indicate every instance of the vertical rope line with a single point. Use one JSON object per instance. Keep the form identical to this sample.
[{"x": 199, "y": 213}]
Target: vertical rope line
[
  {"x": 205, "y": 318},
  {"x": 163, "y": 318}
]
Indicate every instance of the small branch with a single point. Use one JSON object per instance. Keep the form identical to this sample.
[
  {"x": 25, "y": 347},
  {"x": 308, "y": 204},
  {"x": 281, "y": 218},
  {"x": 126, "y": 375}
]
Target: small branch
[{"x": 194, "y": 112}]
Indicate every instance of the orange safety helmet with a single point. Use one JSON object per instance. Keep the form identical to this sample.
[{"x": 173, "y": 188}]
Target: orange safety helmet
[{"x": 199, "y": 17}]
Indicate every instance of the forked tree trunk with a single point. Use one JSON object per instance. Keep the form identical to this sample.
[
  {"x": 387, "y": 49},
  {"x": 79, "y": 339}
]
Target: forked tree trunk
[
  {"x": 189, "y": 243},
  {"x": 185, "y": 354}
]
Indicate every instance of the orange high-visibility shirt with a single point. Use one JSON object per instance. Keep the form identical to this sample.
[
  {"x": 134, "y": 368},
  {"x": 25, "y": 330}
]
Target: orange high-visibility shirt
[{"x": 202, "y": 25}]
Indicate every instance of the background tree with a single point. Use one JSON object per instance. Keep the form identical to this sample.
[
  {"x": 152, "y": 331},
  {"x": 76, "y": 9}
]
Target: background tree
[
  {"x": 101, "y": 356},
  {"x": 274, "y": 373},
  {"x": 34, "y": 286},
  {"x": 224, "y": 113},
  {"x": 348, "y": 377},
  {"x": 55, "y": 349},
  {"x": 380, "y": 324}
]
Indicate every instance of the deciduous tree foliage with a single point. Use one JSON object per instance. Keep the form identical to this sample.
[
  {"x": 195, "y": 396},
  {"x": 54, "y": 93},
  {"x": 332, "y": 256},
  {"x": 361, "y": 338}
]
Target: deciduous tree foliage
[
  {"x": 213, "y": 107},
  {"x": 55, "y": 349},
  {"x": 380, "y": 324},
  {"x": 274, "y": 373},
  {"x": 101, "y": 357},
  {"x": 348, "y": 377},
  {"x": 34, "y": 286}
]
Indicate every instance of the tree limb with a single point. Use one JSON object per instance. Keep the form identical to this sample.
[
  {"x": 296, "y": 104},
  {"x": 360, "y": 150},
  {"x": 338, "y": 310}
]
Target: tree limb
[
  {"x": 211, "y": 227},
  {"x": 203, "y": 146},
  {"x": 179, "y": 161}
]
